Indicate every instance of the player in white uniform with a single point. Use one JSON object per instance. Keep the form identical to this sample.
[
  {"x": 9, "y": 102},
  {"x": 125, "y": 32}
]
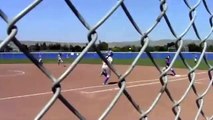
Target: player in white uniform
[
  {"x": 40, "y": 59},
  {"x": 195, "y": 59},
  {"x": 59, "y": 59},
  {"x": 106, "y": 71}
]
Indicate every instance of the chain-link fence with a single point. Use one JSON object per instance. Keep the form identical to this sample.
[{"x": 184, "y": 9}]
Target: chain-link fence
[{"x": 92, "y": 37}]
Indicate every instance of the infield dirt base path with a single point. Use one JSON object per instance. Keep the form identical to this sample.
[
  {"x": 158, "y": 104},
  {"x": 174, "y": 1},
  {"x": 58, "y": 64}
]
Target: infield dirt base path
[{"x": 24, "y": 90}]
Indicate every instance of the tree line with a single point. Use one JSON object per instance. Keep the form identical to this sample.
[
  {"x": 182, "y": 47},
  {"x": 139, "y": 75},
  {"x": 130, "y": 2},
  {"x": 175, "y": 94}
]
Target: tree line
[{"x": 192, "y": 47}]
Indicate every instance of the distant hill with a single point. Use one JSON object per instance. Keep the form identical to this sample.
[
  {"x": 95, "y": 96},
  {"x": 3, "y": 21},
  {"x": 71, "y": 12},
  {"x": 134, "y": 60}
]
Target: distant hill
[
  {"x": 113, "y": 44},
  {"x": 51, "y": 42},
  {"x": 29, "y": 43},
  {"x": 155, "y": 43}
]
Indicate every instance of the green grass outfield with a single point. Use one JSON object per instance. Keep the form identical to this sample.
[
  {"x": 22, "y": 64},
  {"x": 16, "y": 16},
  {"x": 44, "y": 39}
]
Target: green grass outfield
[{"x": 143, "y": 62}]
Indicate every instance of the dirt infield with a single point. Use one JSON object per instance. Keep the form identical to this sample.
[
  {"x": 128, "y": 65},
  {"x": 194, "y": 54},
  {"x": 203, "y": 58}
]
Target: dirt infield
[{"x": 25, "y": 90}]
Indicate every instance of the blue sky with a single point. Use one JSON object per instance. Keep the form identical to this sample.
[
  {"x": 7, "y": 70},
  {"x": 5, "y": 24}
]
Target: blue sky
[{"x": 52, "y": 20}]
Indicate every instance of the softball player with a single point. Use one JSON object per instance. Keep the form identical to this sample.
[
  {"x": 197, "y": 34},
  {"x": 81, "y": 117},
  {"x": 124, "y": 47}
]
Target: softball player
[
  {"x": 40, "y": 60},
  {"x": 195, "y": 59},
  {"x": 59, "y": 59},
  {"x": 167, "y": 60},
  {"x": 105, "y": 70}
]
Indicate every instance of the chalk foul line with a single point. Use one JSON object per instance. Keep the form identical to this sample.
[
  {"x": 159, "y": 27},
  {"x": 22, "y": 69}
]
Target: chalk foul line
[{"x": 144, "y": 83}]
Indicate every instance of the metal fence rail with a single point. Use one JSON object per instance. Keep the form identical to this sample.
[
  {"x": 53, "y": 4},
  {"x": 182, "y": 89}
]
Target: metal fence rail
[{"x": 92, "y": 37}]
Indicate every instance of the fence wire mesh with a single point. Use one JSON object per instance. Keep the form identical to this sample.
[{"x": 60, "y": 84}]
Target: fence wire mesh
[{"x": 92, "y": 37}]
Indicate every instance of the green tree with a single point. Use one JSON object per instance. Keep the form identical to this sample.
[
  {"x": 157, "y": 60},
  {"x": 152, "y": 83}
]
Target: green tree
[
  {"x": 71, "y": 48},
  {"x": 43, "y": 46},
  {"x": 25, "y": 47},
  {"x": 193, "y": 47},
  {"x": 125, "y": 48},
  {"x": 103, "y": 46},
  {"x": 77, "y": 48},
  {"x": 37, "y": 47},
  {"x": 116, "y": 49},
  {"x": 210, "y": 48},
  {"x": 64, "y": 48},
  {"x": 150, "y": 49},
  {"x": 160, "y": 48},
  {"x": 6, "y": 48}
]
